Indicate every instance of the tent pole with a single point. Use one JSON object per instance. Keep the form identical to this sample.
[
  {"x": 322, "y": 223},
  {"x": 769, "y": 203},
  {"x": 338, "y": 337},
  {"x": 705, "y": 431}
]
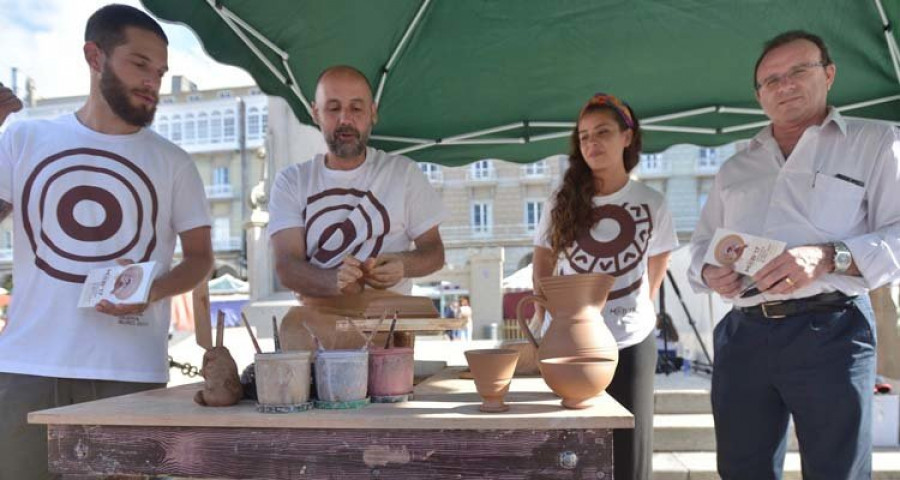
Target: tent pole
[
  {"x": 486, "y": 131},
  {"x": 389, "y": 138},
  {"x": 400, "y": 45},
  {"x": 868, "y": 103},
  {"x": 236, "y": 24},
  {"x": 889, "y": 38},
  {"x": 684, "y": 114},
  {"x": 675, "y": 128},
  {"x": 295, "y": 87}
]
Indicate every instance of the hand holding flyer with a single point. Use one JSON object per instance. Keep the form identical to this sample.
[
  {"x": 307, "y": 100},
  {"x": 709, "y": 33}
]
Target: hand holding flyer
[
  {"x": 745, "y": 253},
  {"x": 119, "y": 284}
]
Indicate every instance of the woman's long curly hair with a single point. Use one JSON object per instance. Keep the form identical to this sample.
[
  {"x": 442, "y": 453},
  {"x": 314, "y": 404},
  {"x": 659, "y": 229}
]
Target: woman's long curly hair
[{"x": 572, "y": 212}]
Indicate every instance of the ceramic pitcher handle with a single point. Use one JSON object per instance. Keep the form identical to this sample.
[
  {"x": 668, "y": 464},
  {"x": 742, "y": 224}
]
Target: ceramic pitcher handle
[{"x": 523, "y": 325}]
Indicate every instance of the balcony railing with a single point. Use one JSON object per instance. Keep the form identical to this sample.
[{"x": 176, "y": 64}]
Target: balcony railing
[
  {"x": 219, "y": 191},
  {"x": 504, "y": 232},
  {"x": 481, "y": 175}
]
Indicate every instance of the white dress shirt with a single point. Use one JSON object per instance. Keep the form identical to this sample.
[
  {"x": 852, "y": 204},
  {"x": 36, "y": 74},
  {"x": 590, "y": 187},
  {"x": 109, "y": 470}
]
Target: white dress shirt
[{"x": 840, "y": 183}]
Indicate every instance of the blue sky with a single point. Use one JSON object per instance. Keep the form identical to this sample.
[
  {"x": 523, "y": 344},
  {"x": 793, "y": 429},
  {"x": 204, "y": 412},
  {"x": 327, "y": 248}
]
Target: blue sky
[{"x": 43, "y": 39}]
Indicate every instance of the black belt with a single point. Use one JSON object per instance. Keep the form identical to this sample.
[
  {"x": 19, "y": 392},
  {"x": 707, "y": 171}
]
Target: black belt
[{"x": 823, "y": 302}]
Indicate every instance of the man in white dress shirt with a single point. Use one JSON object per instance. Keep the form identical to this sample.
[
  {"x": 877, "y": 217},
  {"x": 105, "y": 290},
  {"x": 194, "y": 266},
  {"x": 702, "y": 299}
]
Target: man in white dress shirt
[{"x": 802, "y": 343}]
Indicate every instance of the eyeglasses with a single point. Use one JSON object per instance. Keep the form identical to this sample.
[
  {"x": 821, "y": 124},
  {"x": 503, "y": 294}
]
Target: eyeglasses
[{"x": 795, "y": 74}]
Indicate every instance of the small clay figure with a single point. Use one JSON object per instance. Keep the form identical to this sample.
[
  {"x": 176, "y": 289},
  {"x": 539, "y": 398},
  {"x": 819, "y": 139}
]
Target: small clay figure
[{"x": 223, "y": 386}]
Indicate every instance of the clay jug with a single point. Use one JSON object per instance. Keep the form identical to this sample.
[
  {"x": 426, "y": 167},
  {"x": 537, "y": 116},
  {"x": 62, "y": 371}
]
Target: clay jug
[{"x": 575, "y": 303}]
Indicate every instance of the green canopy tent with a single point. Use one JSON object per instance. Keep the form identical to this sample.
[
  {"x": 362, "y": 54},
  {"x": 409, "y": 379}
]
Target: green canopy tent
[{"x": 459, "y": 80}]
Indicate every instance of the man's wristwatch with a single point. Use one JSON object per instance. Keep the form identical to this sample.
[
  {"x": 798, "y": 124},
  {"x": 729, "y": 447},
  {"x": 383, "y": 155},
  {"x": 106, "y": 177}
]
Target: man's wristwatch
[{"x": 842, "y": 258}]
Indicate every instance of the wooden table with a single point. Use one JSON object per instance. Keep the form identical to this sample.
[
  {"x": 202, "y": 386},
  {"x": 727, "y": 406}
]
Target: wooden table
[{"x": 441, "y": 434}]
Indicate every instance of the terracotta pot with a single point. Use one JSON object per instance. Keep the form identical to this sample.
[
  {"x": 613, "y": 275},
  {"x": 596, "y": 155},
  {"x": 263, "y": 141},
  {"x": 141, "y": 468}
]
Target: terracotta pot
[
  {"x": 493, "y": 370},
  {"x": 578, "y": 379},
  {"x": 577, "y": 334}
]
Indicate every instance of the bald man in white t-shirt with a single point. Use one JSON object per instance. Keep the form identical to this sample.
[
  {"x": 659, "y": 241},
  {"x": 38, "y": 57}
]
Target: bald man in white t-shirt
[{"x": 354, "y": 216}]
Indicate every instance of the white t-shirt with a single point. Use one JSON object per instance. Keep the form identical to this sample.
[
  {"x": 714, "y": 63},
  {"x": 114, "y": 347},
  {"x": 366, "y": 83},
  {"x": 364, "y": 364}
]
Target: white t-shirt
[
  {"x": 634, "y": 224},
  {"x": 379, "y": 207},
  {"x": 81, "y": 200}
]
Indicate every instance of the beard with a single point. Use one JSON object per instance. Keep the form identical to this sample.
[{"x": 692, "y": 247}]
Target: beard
[
  {"x": 116, "y": 94},
  {"x": 351, "y": 149}
]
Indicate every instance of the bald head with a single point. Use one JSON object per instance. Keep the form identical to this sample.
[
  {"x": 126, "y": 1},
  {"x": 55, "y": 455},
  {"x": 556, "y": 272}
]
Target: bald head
[
  {"x": 342, "y": 73},
  {"x": 345, "y": 111}
]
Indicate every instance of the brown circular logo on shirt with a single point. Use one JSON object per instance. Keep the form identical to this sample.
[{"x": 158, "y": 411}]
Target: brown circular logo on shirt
[
  {"x": 83, "y": 207},
  {"x": 615, "y": 244},
  {"x": 345, "y": 221}
]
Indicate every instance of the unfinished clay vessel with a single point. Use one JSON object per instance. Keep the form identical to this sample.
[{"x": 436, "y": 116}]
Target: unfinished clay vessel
[
  {"x": 492, "y": 370},
  {"x": 578, "y": 379},
  {"x": 222, "y": 387},
  {"x": 575, "y": 303}
]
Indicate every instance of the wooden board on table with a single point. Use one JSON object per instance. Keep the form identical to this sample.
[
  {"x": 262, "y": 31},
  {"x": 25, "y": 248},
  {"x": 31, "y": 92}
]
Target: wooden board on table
[
  {"x": 445, "y": 402},
  {"x": 373, "y": 303}
]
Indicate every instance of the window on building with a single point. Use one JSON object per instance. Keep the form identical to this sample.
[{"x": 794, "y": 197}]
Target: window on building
[
  {"x": 536, "y": 169},
  {"x": 709, "y": 158},
  {"x": 162, "y": 126},
  {"x": 228, "y": 130},
  {"x": 652, "y": 163},
  {"x": 431, "y": 171},
  {"x": 253, "y": 123},
  {"x": 215, "y": 127},
  {"x": 225, "y": 94},
  {"x": 194, "y": 98},
  {"x": 482, "y": 170},
  {"x": 202, "y": 127},
  {"x": 255, "y": 91},
  {"x": 264, "y": 121},
  {"x": 533, "y": 211},
  {"x": 190, "y": 132},
  {"x": 481, "y": 218},
  {"x": 176, "y": 129},
  {"x": 220, "y": 176}
]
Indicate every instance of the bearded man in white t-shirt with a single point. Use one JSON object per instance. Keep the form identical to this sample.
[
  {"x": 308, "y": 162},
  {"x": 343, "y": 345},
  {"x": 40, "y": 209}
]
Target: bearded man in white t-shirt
[
  {"x": 355, "y": 216},
  {"x": 87, "y": 190}
]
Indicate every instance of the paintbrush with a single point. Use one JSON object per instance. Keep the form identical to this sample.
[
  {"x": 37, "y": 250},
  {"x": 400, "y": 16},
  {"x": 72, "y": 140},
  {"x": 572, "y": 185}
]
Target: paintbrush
[
  {"x": 390, "y": 338},
  {"x": 275, "y": 334},
  {"x": 250, "y": 331}
]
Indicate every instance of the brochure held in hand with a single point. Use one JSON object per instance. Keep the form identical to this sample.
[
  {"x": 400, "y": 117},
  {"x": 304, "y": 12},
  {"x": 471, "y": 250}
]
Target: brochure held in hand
[{"x": 120, "y": 284}]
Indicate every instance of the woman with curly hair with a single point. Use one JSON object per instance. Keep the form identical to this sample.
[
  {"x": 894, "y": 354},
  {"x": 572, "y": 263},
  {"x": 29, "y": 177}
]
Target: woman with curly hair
[{"x": 602, "y": 221}]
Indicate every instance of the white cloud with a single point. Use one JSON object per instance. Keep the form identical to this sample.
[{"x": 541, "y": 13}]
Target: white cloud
[{"x": 43, "y": 39}]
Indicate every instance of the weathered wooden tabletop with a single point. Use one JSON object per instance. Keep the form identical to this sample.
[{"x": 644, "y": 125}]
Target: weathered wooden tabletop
[{"x": 440, "y": 434}]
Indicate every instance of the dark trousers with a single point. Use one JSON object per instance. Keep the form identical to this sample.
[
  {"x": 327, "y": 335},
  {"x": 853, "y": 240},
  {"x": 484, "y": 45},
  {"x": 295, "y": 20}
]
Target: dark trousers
[
  {"x": 818, "y": 368},
  {"x": 632, "y": 386},
  {"x": 23, "y": 447}
]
